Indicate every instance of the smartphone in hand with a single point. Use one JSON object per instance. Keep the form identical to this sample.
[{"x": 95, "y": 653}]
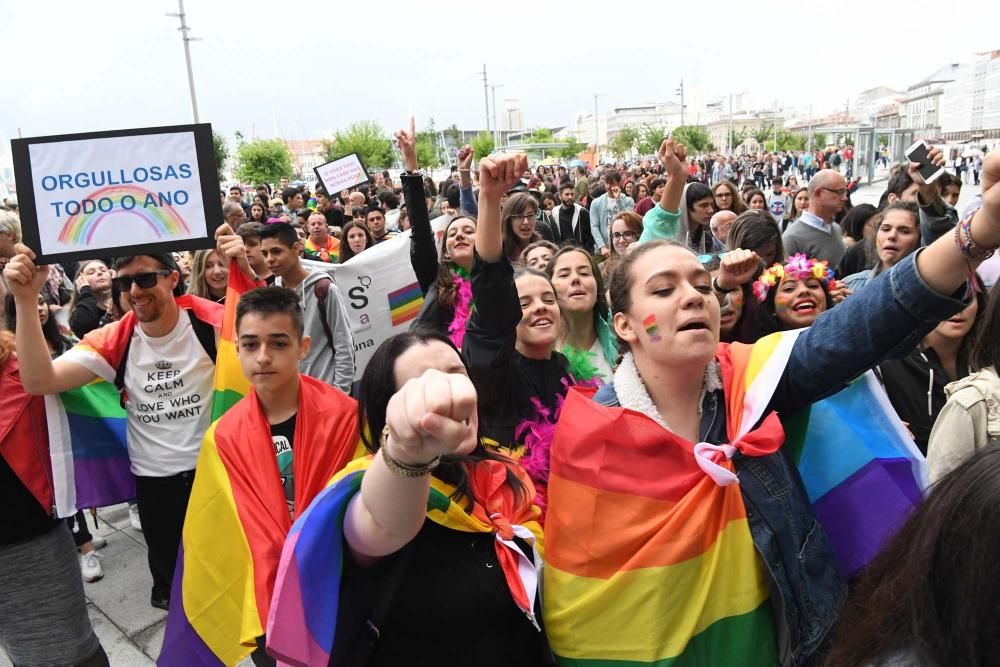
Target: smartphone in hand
[{"x": 928, "y": 170}]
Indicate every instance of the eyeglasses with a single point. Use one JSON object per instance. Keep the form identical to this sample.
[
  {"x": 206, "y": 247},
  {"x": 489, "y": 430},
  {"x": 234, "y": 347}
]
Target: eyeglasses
[
  {"x": 840, "y": 192},
  {"x": 628, "y": 236},
  {"x": 143, "y": 280}
]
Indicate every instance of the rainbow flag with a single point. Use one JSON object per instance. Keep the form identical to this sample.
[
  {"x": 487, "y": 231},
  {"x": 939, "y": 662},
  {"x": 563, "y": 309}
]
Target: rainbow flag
[
  {"x": 650, "y": 556},
  {"x": 230, "y": 385},
  {"x": 405, "y": 303},
  {"x": 90, "y": 464},
  {"x": 861, "y": 469},
  {"x": 303, "y": 618}
]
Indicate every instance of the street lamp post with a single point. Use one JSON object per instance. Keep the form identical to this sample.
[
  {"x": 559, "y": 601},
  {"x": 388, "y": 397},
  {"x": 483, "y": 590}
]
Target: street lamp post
[
  {"x": 597, "y": 134},
  {"x": 496, "y": 126},
  {"x": 187, "y": 54},
  {"x": 681, "y": 91}
]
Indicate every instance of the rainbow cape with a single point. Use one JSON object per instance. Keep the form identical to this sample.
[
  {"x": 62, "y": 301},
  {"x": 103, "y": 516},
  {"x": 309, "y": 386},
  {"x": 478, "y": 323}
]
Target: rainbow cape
[
  {"x": 87, "y": 426},
  {"x": 861, "y": 469},
  {"x": 331, "y": 253},
  {"x": 303, "y": 619},
  {"x": 237, "y": 520},
  {"x": 650, "y": 557}
]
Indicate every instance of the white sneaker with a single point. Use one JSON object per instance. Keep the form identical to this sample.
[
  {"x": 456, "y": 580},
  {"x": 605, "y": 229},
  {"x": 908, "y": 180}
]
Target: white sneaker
[
  {"x": 98, "y": 540},
  {"x": 133, "y": 517},
  {"x": 90, "y": 566}
]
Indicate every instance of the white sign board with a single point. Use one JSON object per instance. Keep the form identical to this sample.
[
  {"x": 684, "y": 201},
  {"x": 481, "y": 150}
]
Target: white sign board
[{"x": 341, "y": 174}]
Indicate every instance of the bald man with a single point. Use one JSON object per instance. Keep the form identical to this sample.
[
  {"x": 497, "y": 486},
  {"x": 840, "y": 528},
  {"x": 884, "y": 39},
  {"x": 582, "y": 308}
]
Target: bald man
[
  {"x": 815, "y": 233},
  {"x": 720, "y": 224}
]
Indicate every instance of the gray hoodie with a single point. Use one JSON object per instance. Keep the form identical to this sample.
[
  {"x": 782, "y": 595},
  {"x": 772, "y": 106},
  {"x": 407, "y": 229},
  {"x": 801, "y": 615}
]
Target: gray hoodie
[{"x": 333, "y": 365}]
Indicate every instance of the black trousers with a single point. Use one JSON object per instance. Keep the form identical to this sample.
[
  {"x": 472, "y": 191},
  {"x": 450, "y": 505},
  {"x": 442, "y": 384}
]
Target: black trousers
[
  {"x": 78, "y": 527},
  {"x": 162, "y": 505}
]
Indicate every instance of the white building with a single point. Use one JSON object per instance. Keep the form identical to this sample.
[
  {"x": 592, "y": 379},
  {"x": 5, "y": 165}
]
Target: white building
[
  {"x": 511, "y": 118},
  {"x": 870, "y": 103},
  {"x": 583, "y": 129},
  {"x": 921, "y": 105},
  {"x": 970, "y": 105}
]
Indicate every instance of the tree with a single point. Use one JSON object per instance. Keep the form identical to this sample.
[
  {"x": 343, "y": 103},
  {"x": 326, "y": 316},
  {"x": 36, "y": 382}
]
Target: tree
[
  {"x": 367, "y": 139},
  {"x": 736, "y": 138},
  {"x": 542, "y": 135},
  {"x": 623, "y": 142},
  {"x": 221, "y": 154},
  {"x": 482, "y": 145},
  {"x": 763, "y": 133},
  {"x": 650, "y": 138},
  {"x": 695, "y": 138},
  {"x": 819, "y": 140},
  {"x": 263, "y": 161},
  {"x": 575, "y": 148}
]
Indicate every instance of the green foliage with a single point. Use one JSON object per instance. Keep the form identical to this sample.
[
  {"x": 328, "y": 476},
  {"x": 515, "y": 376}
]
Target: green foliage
[
  {"x": 819, "y": 140},
  {"x": 787, "y": 141},
  {"x": 623, "y": 142},
  {"x": 221, "y": 153},
  {"x": 695, "y": 138},
  {"x": 453, "y": 133},
  {"x": 650, "y": 138},
  {"x": 263, "y": 161},
  {"x": 482, "y": 145},
  {"x": 367, "y": 139},
  {"x": 763, "y": 133},
  {"x": 542, "y": 135},
  {"x": 575, "y": 148},
  {"x": 736, "y": 138},
  {"x": 428, "y": 154}
]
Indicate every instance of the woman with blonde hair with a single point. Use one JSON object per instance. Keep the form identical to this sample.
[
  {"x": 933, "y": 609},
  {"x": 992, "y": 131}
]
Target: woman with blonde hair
[{"x": 209, "y": 276}]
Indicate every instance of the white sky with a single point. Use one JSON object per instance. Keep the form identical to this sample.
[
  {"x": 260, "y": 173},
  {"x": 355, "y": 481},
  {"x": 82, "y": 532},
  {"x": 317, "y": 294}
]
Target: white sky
[{"x": 74, "y": 66}]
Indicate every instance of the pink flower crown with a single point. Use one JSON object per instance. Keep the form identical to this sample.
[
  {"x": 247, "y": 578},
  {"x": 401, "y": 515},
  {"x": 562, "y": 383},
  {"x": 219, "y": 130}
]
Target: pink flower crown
[{"x": 797, "y": 267}]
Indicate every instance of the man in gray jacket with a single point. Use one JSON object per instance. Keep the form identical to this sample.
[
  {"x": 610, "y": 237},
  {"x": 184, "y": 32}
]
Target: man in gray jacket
[{"x": 331, "y": 355}]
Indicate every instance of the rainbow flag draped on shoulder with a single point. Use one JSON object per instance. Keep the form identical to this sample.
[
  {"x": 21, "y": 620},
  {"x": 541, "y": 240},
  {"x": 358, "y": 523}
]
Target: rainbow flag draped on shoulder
[
  {"x": 650, "y": 556},
  {"x": 303, "y": 618},
  {"x": 862, "y": 470},
  {"x": 87, "y": 426}
]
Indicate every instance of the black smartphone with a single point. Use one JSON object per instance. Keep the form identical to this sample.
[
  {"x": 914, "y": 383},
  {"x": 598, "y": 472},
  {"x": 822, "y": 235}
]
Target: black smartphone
[{"x": 928, "y": 170}]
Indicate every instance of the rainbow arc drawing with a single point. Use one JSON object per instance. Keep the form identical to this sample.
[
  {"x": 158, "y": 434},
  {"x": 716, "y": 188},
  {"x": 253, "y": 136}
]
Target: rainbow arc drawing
[{"x": 164, "y": 221}]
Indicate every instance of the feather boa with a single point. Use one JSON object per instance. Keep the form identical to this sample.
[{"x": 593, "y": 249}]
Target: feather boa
[
  {"x": 463, "y": 307},
  {"x": 581, "y": 366},
  {"x": 537, "y": 432}
]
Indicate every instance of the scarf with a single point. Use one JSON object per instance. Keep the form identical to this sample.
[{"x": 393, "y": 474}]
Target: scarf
[{"x": 463, "y": 306}]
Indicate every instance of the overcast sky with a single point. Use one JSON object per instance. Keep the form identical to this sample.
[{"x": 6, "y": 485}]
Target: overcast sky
[{"x": 74, "y": 66}]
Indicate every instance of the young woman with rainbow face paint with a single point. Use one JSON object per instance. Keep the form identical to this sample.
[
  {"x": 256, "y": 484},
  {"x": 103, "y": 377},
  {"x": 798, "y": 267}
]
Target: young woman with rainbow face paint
[
  {"x": 793, "y": 294},
  {"x": 667, "y": 318}
]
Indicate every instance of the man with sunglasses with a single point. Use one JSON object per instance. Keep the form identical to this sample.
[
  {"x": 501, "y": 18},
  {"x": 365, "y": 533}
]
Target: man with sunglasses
[
  {"x": 815, "y": 233},
  {"x": 161, "y": 357}
]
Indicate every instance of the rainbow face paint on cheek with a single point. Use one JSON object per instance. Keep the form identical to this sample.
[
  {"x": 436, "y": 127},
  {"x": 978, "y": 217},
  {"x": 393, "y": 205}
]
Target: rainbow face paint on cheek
[
  {"x": 652, "y": 329},
  {"x": 782, "y": 302}
]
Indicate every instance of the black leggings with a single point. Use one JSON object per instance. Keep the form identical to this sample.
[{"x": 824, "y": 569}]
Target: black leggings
[{"x": 78, "y": 527}]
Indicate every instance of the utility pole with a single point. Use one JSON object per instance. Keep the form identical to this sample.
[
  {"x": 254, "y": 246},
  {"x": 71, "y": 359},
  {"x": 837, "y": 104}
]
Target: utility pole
[
  {"x": 681, "y": 91},
  {"x": 486, "y": 97},
  {"x": 729, "y": 139},
  {"x": 810, "y": 128},
  {"x": 187, "y": 54},
  {"x": 597, "y": 135},
  {"x": 774, "y": 126},
  {"x": 496, "y": 126}
]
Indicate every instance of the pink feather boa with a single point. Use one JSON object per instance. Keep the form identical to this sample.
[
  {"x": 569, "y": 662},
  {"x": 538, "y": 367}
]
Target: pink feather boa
[
  {"x": 463, "y": 307},
  {"x": 537, "y": 433}
]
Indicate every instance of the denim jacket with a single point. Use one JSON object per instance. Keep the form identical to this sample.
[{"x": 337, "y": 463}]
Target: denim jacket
[{"x": 886, "y": 319}]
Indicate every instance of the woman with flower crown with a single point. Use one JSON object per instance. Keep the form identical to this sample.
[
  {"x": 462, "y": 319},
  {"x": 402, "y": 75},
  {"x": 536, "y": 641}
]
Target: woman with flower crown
[{"x": 443, "y": 276}]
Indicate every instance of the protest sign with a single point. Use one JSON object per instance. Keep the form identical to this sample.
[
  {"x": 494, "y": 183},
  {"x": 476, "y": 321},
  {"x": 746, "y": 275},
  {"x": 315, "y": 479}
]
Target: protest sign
[
  {"x": 342, "y": 173},
  {"x": 380, "y": 292},
  {"x": 123, "y": 192}
]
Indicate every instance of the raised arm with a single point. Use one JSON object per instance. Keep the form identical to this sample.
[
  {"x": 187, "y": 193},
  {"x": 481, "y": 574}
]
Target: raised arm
[
  {"x": 430, "y": 416},
  {"x": 423, "y": 251},
  {"x": 497, "y": 175},
  {"x": 39, "y": 374},
  {"x": 937, "y": 218},
  {"x": 467, "y": 198},
  {"x": 660, "y": 222},
  {"x": 894, "y": 312}
]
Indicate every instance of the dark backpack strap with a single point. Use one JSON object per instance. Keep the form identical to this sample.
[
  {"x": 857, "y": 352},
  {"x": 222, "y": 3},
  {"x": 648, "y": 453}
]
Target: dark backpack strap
[
  {"x": 321, "y": 288},
  {"x": 372, "y": 631},
  {"x": 206, "y": 335}
]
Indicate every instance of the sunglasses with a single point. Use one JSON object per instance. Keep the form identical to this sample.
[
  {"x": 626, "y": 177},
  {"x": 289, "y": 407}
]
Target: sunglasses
[{"x": 143, "y": 280}]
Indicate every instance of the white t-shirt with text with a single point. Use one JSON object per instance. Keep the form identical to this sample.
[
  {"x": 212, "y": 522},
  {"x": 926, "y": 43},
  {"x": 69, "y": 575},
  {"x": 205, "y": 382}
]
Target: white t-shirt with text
[{"x": 169, "y": 381}]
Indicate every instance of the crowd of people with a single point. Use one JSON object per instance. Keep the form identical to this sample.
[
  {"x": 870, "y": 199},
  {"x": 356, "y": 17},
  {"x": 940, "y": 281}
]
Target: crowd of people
[{"x": 629, "y": 286}]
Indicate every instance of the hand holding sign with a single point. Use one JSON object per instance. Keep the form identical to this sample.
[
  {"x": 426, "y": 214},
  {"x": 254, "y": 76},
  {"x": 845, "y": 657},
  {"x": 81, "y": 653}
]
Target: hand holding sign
[{"x": 24, "y": 278}]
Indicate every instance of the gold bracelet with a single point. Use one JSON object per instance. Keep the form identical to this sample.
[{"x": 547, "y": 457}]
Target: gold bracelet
[{"x": 405, "y": 469}]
